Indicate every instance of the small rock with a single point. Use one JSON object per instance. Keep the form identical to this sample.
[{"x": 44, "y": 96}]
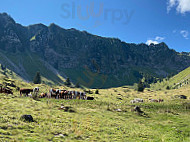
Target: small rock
[
  {"x": 138, "y": 109},
  {"x": 119, "y": 98},
  {"x": 27, "y": 118},
  {"x": 180, "y": 96},
  {"x": 118, "y": 110}
]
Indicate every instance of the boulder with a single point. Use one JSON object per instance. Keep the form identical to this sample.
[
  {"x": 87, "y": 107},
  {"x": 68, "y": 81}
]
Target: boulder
[
  {"x": 180, "y": 96},
  {"x": 27, "y": 118}
]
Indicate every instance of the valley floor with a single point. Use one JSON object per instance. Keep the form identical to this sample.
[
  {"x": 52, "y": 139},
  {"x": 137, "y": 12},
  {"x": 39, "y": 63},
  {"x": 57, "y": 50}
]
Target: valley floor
[{"x": 107, "y": 118}]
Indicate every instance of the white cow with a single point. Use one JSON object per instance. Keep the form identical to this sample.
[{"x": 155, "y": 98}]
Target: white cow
[{"x": 137, "y": 100}]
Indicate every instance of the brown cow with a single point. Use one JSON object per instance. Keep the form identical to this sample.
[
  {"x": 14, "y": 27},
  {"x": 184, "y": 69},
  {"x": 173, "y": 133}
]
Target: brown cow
[
  {"x": 157, "y": 101},
  {"x": 160, "y": 100},
  {"x": 25, "y": 91},
  {"x": 70, "y": 95},
  {"x": 64, "y": 94},
  {"x": 43, "y": 95}
]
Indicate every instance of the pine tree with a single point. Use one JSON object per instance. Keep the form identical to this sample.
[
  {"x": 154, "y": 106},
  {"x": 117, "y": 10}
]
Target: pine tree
[
  {"x": 77, "y": 85},
  {"x": 3, "y": 67},
  {"x": 97, "y": 91},
  {"x": 140, "y": 86},
  {"x": 67, "y": 82},
  {"x": 37, "y": 78}
]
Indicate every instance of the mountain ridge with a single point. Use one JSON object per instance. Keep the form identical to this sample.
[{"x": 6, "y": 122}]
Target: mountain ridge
[{"x": 87, "y": 59}]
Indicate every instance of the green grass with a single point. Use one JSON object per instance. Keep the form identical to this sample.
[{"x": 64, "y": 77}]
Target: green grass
[
  {"x": 175, "y": 81},
  {"x": 96, "y": 120},
  {"x": 31, "y": 64}
]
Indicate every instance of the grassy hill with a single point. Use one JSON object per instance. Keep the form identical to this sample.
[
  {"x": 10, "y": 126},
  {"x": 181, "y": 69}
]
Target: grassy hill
[
  {"x": 175, "y": 82},
  {"x": 97, "y": 120},
  {"x": 13, "y": 81},
  {"x": 107, "y": 118}
]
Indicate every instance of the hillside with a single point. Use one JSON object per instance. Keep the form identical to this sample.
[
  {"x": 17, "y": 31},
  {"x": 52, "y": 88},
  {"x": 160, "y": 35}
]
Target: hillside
[
  {"x": 110, "y": 117},
  {"x": 175, "y": 82},
  {"x": 90, "y": 60}
]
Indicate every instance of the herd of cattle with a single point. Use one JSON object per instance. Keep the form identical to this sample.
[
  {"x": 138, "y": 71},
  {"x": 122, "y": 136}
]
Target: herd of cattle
[
  {"x": 57, "y": 94},
  {"x": 64, "y": 94}
]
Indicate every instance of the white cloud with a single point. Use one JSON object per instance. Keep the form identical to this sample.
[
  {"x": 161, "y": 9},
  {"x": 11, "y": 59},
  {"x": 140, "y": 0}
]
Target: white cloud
[
  {"x": 185, "y": 34},
  {"x": 156, "y": 40},
  {"x": 151, "y": 41},
  {"x": 171, "y": 3},
  {"x": 182, "y": 6}
]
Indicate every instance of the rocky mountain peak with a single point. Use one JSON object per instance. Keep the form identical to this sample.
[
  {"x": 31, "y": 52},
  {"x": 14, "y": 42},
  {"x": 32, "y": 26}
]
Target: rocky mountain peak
[{"x": 5, "y": 19}]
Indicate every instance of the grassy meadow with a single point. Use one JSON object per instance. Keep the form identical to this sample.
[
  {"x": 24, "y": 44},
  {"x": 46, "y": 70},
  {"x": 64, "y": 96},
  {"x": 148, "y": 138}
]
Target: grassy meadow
[
  {"x": 175, "y": 82},
  {"x": 107, "y": 118}
]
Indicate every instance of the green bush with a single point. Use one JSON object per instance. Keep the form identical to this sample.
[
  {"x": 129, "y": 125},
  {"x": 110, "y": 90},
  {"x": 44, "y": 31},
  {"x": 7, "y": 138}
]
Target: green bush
[
  {"x": 37, "y": 78},
  {"x": 140, "y": 87},
  {"x": 97, "y": 91}
]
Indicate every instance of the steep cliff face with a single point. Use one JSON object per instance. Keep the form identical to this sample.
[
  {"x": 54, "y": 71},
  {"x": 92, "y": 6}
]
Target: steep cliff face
[{"x": 87, "y": 59}]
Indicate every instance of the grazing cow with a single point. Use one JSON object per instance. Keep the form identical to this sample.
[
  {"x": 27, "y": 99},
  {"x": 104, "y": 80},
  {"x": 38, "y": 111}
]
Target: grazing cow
[
  {"x": 70, "y": 95},
  {"x": 137, "y": 100},
  {"x": 43, "y": 95},
  {"x": 157, "y": 101},
  {"x": 66, "y": 94},
  {"x": 76, "y": 95},
  {"x": 30, "y": 95},
  {"x": 54, "y": 93},
  {"x": 153, "y": 100},
  {"x": 62, "y": 94},
  {"x": 36, "y": 89},
  {"x": 49, "y": 95},
  {"x": 83, "y": 95},
  {"x": 58, "y": 92},
  {"x": 25, "y": 91},
  {"x": 160, "y": 100}
]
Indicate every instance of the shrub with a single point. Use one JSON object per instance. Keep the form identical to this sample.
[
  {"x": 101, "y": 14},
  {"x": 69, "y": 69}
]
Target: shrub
[
  {"x": 168, "y": 87},
  {"x": 97, "y": 91},
  {"x": 37, "y": 78},
  {"x": 67, "y": 82},
  {"x": 140, "y": 87},
  {"x": 77, "y": 85}
]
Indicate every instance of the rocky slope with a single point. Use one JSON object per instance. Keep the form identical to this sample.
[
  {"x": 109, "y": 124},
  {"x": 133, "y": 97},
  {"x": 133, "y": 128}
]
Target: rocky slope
[{"x": 88, "y": 59}]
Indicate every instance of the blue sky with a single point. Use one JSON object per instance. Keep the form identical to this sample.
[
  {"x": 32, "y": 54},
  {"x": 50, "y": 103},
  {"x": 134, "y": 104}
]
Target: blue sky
[{"x": 132, "y": 21}]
